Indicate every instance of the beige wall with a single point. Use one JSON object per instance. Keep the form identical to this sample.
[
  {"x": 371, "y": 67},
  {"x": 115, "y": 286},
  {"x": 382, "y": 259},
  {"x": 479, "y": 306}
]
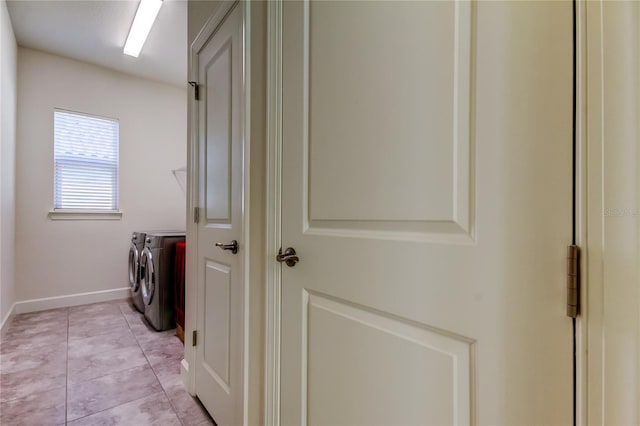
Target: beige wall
[
  {"x": 8, "y": 63},
  {"x": 57, "y": 258}
]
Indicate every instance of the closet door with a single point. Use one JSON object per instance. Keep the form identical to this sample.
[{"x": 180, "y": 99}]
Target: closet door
[
  {"x": 220, "y": 275},
  {"x": 427, "y": 185}
]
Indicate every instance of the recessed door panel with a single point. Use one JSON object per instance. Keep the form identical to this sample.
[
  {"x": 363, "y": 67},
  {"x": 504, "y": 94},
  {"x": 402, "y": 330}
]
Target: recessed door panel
[
  {"x": 217, "y": 323},
  {"x": 358, "y": 360},
  {"x": 387, "y": 114},
  {"x": 218, "y": 136}
]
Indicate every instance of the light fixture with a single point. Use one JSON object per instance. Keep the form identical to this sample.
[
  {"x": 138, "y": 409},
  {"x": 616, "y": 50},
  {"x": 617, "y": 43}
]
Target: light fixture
[{"x": 142, "y": 23}]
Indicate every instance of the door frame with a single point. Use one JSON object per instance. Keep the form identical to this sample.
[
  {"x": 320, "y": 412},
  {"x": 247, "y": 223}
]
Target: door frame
[
  {"x": 193, "y": 187},
  {"x": 590, "y": 14},
  {"x": 601, "y": 284},
  {"x": 273, "y": 213},
  {"x": 580, "y": 227}
]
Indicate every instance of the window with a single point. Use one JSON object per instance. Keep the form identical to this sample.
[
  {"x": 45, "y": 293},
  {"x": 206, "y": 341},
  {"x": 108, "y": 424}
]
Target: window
[{"x": 85, "y": 162}]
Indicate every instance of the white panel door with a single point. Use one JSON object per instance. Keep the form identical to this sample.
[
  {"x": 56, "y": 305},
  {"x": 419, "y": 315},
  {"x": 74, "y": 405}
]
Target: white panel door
[
  {"x": 219, "y": 365},
  {"x": 427, "y": 191}
]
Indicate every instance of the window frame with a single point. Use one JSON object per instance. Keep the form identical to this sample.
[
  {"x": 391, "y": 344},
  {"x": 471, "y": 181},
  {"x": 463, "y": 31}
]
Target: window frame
[{"x": 87, "y": 213}]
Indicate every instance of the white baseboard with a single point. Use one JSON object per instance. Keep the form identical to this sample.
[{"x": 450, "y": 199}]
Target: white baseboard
[
  {"x": 43, "y": 304},
  {"x": 6, "y": 320}
]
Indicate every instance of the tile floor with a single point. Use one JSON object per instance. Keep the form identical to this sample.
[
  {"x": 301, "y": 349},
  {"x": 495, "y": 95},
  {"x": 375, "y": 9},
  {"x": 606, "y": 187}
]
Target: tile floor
[{"x": 97, "y": 364}]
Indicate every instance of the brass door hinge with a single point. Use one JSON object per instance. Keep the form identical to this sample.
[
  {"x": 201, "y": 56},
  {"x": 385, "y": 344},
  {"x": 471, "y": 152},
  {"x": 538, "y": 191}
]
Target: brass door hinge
[
  {"x": 196, "y": 214},
  {"x": 194, "y": 338},
  {"x": 573, "y": 281}
]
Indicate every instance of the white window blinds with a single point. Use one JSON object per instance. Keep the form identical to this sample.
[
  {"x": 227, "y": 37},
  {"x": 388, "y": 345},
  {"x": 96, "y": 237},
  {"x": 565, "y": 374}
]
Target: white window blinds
[{"x": 86, "y": 162}]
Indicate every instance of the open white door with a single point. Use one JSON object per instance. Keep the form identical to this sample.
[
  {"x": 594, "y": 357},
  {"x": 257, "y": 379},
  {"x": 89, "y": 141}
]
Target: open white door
[
  {"x": 220, "y": 275},
  {"x": 426, "y": 156}
]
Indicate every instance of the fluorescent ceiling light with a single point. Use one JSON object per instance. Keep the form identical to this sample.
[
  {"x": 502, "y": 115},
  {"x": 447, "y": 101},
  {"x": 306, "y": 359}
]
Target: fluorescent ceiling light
[{"x": 142, "y": 23}]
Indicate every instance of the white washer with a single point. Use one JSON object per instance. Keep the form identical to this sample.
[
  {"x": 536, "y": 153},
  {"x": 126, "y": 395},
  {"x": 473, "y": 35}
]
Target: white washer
[{"x": 158, "y": 281}]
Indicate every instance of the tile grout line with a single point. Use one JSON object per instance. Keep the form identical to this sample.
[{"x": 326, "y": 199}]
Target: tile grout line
[
  {"x": 115, "y": 406},
  {"x": 142, "y": 397},
  {"x": 139, "y": 337},
  {"x": 10, "y": 327},
  {"x": 164, "y": 391},
  {"x": 67, "y": 376},
  {"x": 152, "y": 369},
  {"x": 106, "y": 352}
]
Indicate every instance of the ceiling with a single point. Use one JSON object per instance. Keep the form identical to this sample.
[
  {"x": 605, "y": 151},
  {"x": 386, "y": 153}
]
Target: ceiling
[{"x": 95, "y": 31}]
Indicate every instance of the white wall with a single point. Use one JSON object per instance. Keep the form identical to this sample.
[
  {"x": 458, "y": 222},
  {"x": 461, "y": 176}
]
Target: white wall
[
  {"x": 57, "y": 258},
  {"x": 8, "y": 63}
]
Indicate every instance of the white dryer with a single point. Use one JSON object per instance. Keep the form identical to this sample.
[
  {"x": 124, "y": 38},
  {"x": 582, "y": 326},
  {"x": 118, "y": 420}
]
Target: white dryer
[
  {"x": 135, "y": 271},
  {"x": 158, "y": 280}
]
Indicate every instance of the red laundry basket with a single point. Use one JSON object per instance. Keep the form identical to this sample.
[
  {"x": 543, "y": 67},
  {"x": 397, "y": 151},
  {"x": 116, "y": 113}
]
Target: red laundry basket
[{"x": 179, "y": 283}]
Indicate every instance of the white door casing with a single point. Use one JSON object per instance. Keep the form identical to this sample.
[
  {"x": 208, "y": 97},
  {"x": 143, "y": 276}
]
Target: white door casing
[
  {"x": 610, "y": 70},
  {"x": 219, "y": 369},
  {"x": 426, "y": 186}
]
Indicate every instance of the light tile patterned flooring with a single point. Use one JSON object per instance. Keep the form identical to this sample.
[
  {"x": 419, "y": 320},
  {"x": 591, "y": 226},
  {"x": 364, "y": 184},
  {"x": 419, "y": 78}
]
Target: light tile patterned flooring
[{"x": 97, "y": 364}]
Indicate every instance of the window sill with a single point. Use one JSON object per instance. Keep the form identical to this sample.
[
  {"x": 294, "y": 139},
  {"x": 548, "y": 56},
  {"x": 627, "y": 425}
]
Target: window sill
[{"x": 85, "y": 215}]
